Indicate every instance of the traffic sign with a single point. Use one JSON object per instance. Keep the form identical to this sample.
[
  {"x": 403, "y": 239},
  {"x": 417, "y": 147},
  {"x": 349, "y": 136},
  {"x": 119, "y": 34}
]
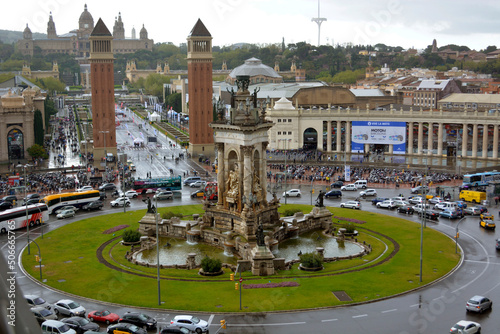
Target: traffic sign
[{"x": 241, "y": 279}]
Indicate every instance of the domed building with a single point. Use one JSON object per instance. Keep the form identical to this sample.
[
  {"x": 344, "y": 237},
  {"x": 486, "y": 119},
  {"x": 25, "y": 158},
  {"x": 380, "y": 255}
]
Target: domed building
[
  {"x": 258, "y": 72},
  {"x": 76, "y": 42}
]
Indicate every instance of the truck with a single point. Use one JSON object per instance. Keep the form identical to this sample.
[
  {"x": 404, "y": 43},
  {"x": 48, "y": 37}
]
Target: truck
[{"x": 473, "y": 196}]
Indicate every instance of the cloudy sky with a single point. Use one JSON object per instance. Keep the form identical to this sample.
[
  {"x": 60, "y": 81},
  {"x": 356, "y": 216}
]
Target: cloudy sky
[{"x": 406, "y": 23}]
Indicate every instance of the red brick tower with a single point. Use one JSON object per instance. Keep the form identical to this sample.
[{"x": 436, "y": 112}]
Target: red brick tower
[
  {"x": 199, "y": 59},
  {"x": 103, "y": 91}
]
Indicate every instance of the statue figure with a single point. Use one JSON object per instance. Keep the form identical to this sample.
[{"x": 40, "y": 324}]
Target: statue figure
[
  {"x": 232, "y": 185},
  {"x": 151, "y": 209},
  {"x": 260, "y": 236},
  {"x": 319, "y": 200},
  {"x": 257, "y": 189}
]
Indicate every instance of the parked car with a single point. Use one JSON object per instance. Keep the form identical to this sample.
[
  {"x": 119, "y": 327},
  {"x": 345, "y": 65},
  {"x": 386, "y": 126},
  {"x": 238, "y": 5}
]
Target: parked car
[
  {"x": 292, "y": 193},
  {"x": 419, "y": 189},
  {"x": 103, "y": 316},
  {"x": 351, "y": 205},
  {"x": 333, "y": 193},
  {"x": 164, "y": 195},
  {"x": 107, "y": 186},
  {"x": 466, "y": 327},
  {"x": 198, "y": 193},
  {"x": 31, "y": 201},
  {"x": 487, "y": 224},
  {"x": 368, "y": 192},
  {"x": 378, "y": 200},
  {"x": 120, "y": 201},
  {"x": 478, "y": 304},
  {"x": 67, "y": 207},
  {"x": 450, "y": 214},
  {"x": 337, "y": 184},
  {"x": 69, "y": 307},
  {"x": 139, "y": 319},
  {"x": 388, "y": 204},
  {"x": 125, "y": 328},
  {"x": 407, "y": 209},
  {"x": 472, "y": 210},
  {"x": 85, "y": 188},
  {"x": 198, "y": 184},
  {"x": 56, "y": 326},
  {"x": 349, "y": 187},
  {"x": 65, "y": 214},
  {"x": 5, "y": 205},
  {"x": 190, "y": 322},
  {"x": 37, "y": 301},
  {"x": 9, "y": 198},
  {"x": 129, "y": 194},
  {"x": 80, "y": 324},
  {"x": 173, "y": 329},
  {"x": 42, "y": 314},
  {"x": 95, "y": 205}
]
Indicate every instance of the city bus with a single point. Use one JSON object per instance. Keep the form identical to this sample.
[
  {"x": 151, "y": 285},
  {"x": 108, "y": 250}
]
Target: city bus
[
  {"x": 147, "y": 186},
  {"x": 76, "y": 199},
  {"x": 15, "y": 218},
  {"x": 480, "y": 179},
  {"x": 211, "y": 192}
]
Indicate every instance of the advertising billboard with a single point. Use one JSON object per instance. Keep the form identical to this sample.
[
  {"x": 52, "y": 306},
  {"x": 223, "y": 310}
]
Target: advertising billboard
[{"x": 379, "y": 132}]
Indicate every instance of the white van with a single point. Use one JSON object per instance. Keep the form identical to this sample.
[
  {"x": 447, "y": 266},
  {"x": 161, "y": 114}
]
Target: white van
[
  {"x": 361, "y": 184},
  {"x": 446, "y": 206},
  {"x": 56, "y": 327}
]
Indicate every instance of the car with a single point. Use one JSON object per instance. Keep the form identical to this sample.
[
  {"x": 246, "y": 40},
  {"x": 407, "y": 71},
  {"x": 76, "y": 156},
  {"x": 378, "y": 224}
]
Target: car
[
  {"x": 125, "y": 328},
  {"x": 337, "y": 184},
  {"x": 65, "y": 214},
  {"x": 139, "y": 319},
  {"x": 472, "y": 210},
  {"x": 430, "y": 214},
  {"x": 190, "y": 322},
  {"x": 401, "y": 203},
  {"x": 486, "y": 215},
  {"x": 198, "y": 193},
  {"x": 419, "y": 208},
  {"x": 407, "y": 209},
  {"x": 191, "y": 179},
  {"x": 164, "y": 195},
  {"x": 81, "y": 325},
  {"x": 378, "y": 200},
  {"x": 388, "y": 204},
  {"x": 292, "y": 193},
  {"x": 95, "y": 205},
  {"x": 31, "y": 201},
  {"x": 175, "y": 330},
  {"x": 333, "y": 193},
  {"x": 497, "y": 244},
  {"x": 37, "y": 301},
  {"x": 351, "y": 205},
  {"x": 461, "y": 204},
  {"x": 349, "y": 187},
  {"x": 120, "y": 201},
  {"x": 107, "y": 186},
  {"x": 398, "y": 198},
  {"x": 84, "y": 188},
  {"x": 5, "y": 205},
  {"x": 487, "y": 224},
  {"x": 9, "y": 198},
  {"x": 69, "y": 307},
  {"x": 466, "y": 327},
  {"x": 416, "y": 200},
  {"x": 130, "y": 194},
  {"x": 56, "y": 326},
  {"x": 42, "y": 314},
  {"x": 368, "y": 192},
  {"x": 450, "y": 214},
  {"x": 198, "y": 184},
  {"x": 482, "y": 208},
  {"x": 436, "y": 200},
  {"x": 445, "y": 206},
  {"x": 67, "y": 207},
  {"x": 419, "y": 189},
  {"x": 478, "y": 304},
  {"x": 103, "y": 316}
]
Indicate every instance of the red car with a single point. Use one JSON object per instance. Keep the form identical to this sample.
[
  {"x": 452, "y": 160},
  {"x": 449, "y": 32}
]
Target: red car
[{"x": 103, "y": 316}]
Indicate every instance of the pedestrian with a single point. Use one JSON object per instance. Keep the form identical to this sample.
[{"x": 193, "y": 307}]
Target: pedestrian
[{"x": 496, "y": 200}]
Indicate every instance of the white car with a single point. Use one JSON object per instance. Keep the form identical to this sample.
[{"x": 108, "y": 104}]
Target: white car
[
  {"x": 389, "y": 204},
  {"x": 190, "y": 322},
  {"x": 67, "y": 207},
  {"x": 120, "y": 201},
  {"x": 85, "y": 188},
  {"x": 416, "y": 200},
  {"x": 292, "y": 193},
  {"x": 65, "y": 214},
  {"x": 368, "y": 192},
  {"x": 164, "y": 195},
  {"x": 198, "y": 184},
  {"x": 351, "y": 205},
  {"x": 349, "y": 187},
  {"x": 466, "y": 327},
  {"x": 69, "y": 308},
  {"x": 130, "y": 194}
]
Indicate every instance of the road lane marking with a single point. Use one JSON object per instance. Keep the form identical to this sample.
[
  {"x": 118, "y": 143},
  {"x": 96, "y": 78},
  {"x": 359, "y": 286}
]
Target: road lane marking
[
  {"x": 414, "y": 305},
  {"x": 326, "y": 320},
  {"x": 210, "y": 319},
  {"x": 277, "y": 324},
  {"x": 387, "y": 311},
  {"x": 359, "y": 316}
]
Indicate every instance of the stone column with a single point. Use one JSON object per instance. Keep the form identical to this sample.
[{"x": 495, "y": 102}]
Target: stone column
[
  {"x": 220, "y": 174},
  {"x": 247, "y": 170},
  {"x": 465, "y": 137},
  {"x": 328, "y": 136},
  {"x": 474, "y": 141},
  {"x": 440, "y": 139},
  {"x": 420, "y": 138},
  {"x": 263, "y": 169},
  {"x": 391, "y": 149},
  {"x": 495, "y": 142},
  {"x": 410, "y": 137},
  {"x": 348, "y": 136},
  {"x": 320, "y": 137},
  {"x": 430, "y": 137},
  {"x": 485, "y": 141},
  {"x": 339, "y": 136}
]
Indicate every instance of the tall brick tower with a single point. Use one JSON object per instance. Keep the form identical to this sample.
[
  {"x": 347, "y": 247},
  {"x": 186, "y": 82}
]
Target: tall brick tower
[
  {"x": 103, "y": 91},
  {"x": 199, "y": 59}
]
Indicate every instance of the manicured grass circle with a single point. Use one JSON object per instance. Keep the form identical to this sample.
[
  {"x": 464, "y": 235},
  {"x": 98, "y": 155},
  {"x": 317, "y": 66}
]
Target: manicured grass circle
[{"x": 386, "y": 271}]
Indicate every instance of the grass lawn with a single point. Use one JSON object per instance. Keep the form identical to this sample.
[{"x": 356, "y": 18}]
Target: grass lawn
[{"x": 70, "y": 264}]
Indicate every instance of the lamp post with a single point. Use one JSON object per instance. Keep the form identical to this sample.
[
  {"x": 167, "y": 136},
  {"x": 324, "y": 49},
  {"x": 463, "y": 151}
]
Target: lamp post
[
  {"x": 157, "y": 250},
  {"x": 105, "y": 153},
  {"x": 39, "y": 258},
  {"x": 26, "y": 206}
]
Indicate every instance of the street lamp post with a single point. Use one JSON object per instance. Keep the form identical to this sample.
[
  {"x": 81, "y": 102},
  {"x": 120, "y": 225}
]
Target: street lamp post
[
  {"x": 157, "y": 250},
  {"x": 105, "y": 153},
  {"x": 26, "y": 206},
  {"x": 39, "y": 258}
]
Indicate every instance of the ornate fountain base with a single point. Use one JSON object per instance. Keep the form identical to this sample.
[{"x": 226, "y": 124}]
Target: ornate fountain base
[{"x": 262, "y": 261}]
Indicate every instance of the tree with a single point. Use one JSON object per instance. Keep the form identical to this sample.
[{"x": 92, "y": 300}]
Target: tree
[
  {"x": 38, "y": 127},
  {"x": 51, "y": 84},
  {"x": 37, "y": 151}
]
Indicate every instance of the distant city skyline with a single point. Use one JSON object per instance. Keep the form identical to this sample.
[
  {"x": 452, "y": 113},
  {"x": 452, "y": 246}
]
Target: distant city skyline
[{"x": 405, "y": 23}]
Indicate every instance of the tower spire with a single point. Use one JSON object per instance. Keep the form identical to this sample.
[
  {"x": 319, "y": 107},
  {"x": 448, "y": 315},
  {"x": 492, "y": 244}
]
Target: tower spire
[{"x": 318, "y": 21}]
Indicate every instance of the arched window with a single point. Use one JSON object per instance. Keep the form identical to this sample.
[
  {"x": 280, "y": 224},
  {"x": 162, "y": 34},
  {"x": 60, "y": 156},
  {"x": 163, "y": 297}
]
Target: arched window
[{"x": 15, "y": 144}]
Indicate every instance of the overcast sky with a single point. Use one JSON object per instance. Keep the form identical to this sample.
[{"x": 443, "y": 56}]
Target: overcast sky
[{"x": 406, "y": 23}]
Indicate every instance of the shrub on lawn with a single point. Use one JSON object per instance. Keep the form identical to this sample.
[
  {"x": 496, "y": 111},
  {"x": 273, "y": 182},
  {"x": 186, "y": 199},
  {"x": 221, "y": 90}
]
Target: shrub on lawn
[
  {"x": 290, "y": 212},
  {"x": 311, "y": 260},
  {"x": 349, "y": 228},
  {"x": 131, "y": 236},
  {"x": 170, "y": 215},
  {"x": 211, "y": 265}
]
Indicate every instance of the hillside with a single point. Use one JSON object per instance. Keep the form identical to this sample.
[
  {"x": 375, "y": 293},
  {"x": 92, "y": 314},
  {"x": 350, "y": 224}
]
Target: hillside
[{"x": 9, "y": 36}]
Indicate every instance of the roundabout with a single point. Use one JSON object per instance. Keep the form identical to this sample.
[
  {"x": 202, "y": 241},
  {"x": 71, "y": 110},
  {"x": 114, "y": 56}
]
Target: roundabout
[{"x": 79, "y": 259}]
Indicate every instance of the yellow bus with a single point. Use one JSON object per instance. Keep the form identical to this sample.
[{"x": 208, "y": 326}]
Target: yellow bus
[{"x": 76, "y": 199}]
